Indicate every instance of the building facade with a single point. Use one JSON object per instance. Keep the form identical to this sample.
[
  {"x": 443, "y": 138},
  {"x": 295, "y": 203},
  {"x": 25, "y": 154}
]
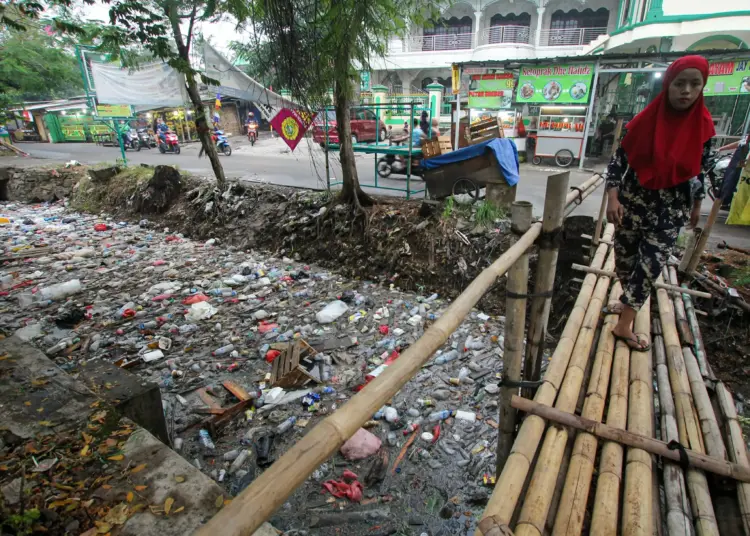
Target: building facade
[{"x": 482, "y": 30}]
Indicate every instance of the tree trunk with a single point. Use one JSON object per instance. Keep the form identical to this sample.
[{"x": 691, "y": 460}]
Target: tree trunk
[
  {"x": 351, "y": 192},
  {"x": 183, "y": 49}
]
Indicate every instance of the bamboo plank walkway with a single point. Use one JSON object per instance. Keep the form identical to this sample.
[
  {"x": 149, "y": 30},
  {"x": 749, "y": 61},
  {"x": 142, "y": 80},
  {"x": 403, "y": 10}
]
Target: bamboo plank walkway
[{"x": 602, "y": 486}]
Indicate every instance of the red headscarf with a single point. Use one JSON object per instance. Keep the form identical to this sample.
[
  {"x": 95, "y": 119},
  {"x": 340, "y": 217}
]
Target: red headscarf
[{"x": 664, "y": 145}]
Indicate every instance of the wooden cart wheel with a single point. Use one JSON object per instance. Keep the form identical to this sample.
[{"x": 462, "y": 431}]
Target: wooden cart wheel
[
  {"x": 536, "y": 160},
  {"x": 464, "y": 186}
]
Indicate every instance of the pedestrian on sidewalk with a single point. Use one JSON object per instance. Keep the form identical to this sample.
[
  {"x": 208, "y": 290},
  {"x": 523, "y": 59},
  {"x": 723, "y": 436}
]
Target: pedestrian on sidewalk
[{"x": 655, "y": 186}]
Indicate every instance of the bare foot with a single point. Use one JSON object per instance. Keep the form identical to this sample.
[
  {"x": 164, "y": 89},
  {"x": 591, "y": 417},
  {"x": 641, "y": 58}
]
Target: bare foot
[
  {"x": 631, "y": 339},
  {"x": 614, "y": 308}
]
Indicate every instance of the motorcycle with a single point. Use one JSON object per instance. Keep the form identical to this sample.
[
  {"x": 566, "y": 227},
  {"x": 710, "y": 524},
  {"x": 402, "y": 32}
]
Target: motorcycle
[
  {"x": 130, "y": 140},
  {"x": 222, "y": 143},
  {"x": 390, "y": 164},
  {"x": 252, "y": 133},
  {"x": 714, "y": 171},
  {"x": 145, "y": 138},
  {"x": 172, "y": 144}
]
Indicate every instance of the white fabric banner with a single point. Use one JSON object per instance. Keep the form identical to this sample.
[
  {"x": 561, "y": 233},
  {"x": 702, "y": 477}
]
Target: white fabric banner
[
  {"x": 155, "y": 84},
  {"x": 234, "y": 83}
]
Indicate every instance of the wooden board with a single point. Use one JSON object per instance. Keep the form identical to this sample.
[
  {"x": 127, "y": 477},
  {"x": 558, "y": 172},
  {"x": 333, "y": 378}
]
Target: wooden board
[
  {"x": 208, "y": 399},
  {"x": 237, "y": 390}
]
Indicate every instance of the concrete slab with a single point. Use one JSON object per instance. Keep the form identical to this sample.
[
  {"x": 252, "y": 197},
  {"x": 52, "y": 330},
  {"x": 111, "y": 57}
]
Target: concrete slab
[
  {"x": 133, "y": 397},
  {"x": 44, "y": 407}
]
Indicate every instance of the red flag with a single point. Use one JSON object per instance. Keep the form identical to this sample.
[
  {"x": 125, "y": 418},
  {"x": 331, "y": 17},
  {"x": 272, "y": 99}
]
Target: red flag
[{"x": 292, "y": 125}]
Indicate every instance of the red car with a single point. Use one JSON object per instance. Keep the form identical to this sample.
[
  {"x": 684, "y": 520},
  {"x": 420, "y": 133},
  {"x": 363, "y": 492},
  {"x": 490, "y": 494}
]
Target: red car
[{"x": 364, "y": 124}]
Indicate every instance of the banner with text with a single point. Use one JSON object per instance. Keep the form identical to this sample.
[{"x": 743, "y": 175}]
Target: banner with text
[
  {"x": 728, "y": 78},
  {"x": 558, "y": 84},
  {"x": 491, "y": 91}
]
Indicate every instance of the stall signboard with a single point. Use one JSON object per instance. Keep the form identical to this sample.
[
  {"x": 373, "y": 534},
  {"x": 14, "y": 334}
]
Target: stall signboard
[
  {"x": 491, "y": 91},
  {"x": 728, "y": 78},
  {"x": 113, "y": 110},
  {"x": 559, "y": 84}
]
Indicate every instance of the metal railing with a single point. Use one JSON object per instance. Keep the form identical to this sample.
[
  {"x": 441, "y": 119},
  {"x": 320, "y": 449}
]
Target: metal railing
[
  {"x": 569, "y": 37},
  {"x": 507, "y": 34},
  {"x": 427, "y": 43}
]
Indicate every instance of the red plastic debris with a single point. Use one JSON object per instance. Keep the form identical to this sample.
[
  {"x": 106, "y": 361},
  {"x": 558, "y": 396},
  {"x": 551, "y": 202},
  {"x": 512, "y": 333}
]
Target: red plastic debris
[
  {"x": 161, "y": 297},
  {"x": 100, "y": 227},
  {"x": 341, "y": 489},
  {"x": 383, "y": 329},
  {"x": 265, "y": 327},
  {"x": 195, "y": 298},
  {"x": 128, "y": 313},
  {"x": 271, "y": 355},
  {"x": 435, "y": 433},
  {"x": 172, "y": 238}
]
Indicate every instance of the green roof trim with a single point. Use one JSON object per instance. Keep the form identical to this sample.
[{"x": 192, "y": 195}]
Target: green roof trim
[{"x": 682, "y": 18}]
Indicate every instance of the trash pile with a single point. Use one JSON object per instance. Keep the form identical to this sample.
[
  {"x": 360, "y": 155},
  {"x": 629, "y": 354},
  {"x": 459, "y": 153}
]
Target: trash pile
[{"x": 250, "y": 351}]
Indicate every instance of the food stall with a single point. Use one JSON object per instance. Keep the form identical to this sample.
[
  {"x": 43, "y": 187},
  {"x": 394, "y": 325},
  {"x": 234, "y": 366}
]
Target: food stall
[
  {"x": 491, "y": 97},
  {"x": 562, "y": 91}
]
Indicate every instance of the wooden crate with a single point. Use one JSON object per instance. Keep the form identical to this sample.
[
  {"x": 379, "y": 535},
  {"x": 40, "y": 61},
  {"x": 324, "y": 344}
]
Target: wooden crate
[{"x": 291, "y": 368}]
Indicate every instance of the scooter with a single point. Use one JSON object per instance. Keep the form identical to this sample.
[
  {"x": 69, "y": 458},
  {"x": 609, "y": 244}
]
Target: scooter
[
  {"x": 252, "y": 133},
  {"x": 145, "y": 138},
  {"x": 130, "y": 140},
  {"x": 222, "y": 143},
  {"x": 391, "y": 164},
  {"x": 715, "y": 168},
  {"x": 172, "y": 144}
]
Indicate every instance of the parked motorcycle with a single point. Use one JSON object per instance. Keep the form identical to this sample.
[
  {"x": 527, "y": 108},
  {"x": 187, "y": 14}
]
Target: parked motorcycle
[
  {"x": 252, "y": 133},
  {"x": 145, "y": 138},
  {"x": 172, "y": 144},
  {"x": 222, "y": 143},
  {"x": 714, "y": 171}
]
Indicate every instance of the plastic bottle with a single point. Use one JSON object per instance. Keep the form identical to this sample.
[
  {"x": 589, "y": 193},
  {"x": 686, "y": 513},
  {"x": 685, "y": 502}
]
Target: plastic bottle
[
  {"x": 409, "y": 429},
  {"x": 238, "y": 461},
  {"x": 425, "y": 402},
  {"x": 223, "y": 350},
  {"x": 412, "y": 412},
  {"x": 187, "y": 328},
  {"x": 148, "y": 325},
  {"x": 61, "y": 290},
  {"x": 328, "y": 391},
  {"x": 446, "y": 357},
  {"x": 391, "y": 414},
  {"x": 225, "y": 292},
  {"x": 205, "y": 439},
  {"x": 440, "y": 415},
  {"x": 286, "y": 425},
  {"x": 331, "y": 312}
]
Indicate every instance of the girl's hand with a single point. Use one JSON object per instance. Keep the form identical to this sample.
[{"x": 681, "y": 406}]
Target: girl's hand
[{"x": 615, "y": 210}]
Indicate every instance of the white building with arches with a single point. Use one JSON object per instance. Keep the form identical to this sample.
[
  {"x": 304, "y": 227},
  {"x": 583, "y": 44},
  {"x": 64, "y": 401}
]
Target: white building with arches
[{"x": 484, "y": 30}]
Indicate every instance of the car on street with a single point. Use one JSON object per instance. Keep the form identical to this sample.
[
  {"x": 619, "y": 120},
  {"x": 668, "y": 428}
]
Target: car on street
[{"x": 364, "y": 124}]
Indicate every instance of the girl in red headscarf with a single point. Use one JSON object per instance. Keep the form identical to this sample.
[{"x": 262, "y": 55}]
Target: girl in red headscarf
[{"x": 655, "y": 184}]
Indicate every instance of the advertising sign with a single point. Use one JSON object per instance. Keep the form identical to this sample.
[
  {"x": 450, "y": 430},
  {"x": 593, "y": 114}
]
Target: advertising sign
[
  {"x": 113, "y": 110},
  {"x": 559, "y": 84},
  {"x": 292, "y": 125},
  {"x": 491, "y": 91},
  {"x": 728, "y": 78},
  {"x": 364, "y": 80}
]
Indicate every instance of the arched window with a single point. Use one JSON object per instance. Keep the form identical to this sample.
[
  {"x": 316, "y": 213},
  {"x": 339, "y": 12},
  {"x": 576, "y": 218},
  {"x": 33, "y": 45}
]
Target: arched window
[
  {"x": 577, "y": 28},
  {"x": 448, "y": 34},
  {"x": 510, "y": 28}
]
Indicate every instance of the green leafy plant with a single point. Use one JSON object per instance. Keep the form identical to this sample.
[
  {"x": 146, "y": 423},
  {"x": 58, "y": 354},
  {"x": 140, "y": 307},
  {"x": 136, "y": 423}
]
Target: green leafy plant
[
  {"x": 487, "y": 213},
  {"x": 448, "y": 207}
]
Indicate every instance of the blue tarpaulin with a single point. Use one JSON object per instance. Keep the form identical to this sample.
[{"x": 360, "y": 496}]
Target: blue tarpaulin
[{"x": 505, "y": 151}]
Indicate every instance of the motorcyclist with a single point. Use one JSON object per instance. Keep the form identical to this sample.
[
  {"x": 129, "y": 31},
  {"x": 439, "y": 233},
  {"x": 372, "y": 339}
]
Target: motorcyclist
[
  {"x": 161, "y": 130},
  {"x": 251, "y": 121}
]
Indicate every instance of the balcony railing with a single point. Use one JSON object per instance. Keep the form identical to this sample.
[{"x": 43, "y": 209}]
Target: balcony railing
[
  {"x": 569, "y": 37},
  {"x": 425, "y": 43},
  {"x": 507, "y": 34}
]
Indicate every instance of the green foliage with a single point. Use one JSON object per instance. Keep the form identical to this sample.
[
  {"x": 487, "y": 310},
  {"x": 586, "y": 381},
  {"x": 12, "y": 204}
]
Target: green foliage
[
  {"x": 487, "y": 213},
  {"x": 33, "y": 66},
  {"x": 22, "y": 523},
  {"x": 448, "y": 208}
]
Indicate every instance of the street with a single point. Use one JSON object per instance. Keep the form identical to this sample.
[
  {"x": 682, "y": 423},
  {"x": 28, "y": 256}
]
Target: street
[{"x": 271, "y": 161}]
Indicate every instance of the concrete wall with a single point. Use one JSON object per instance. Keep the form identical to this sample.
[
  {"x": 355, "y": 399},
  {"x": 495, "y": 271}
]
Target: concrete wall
[{"x": 35, "y": 185}]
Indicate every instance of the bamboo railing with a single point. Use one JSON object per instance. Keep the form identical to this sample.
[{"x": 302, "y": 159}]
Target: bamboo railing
[{"x": 269, "y": 491}]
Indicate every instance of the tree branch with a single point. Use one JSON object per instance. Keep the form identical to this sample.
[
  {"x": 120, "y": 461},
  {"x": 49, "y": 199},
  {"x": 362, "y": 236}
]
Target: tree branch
[{"x": 190, "y": 27}]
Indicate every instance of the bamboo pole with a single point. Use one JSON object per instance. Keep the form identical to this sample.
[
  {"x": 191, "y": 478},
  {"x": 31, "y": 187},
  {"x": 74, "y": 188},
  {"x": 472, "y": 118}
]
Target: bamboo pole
[
  {"x": 258, "y": 501},
  {"x": 557, "y": 187},
  {"x": 517, "y": 285},
  {"x": 683, "y": 326},
  {"x": 572, "y": 506},
  {"x": 585, "y": 191},
  {"x": 692, "y": 237},
  {"x": 598, "y": 228},
  {"x": 737, "y": 448},
  {"x": 687, "y": 419},
  {"x": 700, "y": 243},
  {"x": 710, "y": 426},
  {"x": 539, "y": 495},
  {"x": 679, "y": 522},
  {"x": 605, "y": 516},
  {"x": 700, "y": 350},
  {"x": 636, "y": 441},
  {"x": 665, "y": 286},
  {"x": 637, "y": 506},
  {"x": 503, "y": 503}
]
